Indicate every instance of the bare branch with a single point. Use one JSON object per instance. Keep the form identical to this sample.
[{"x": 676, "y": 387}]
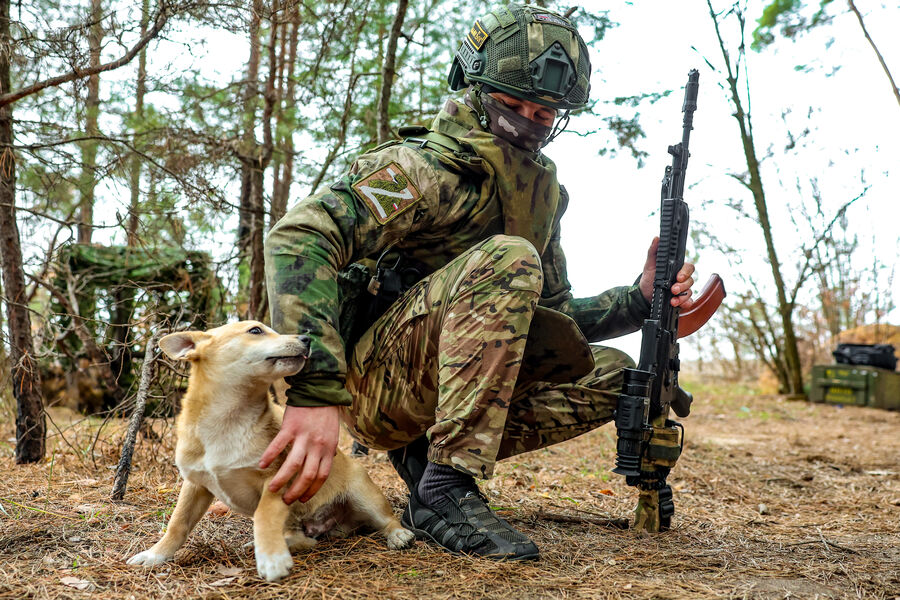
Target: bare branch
[
  {"x": 875, "y": 48},
  {"x": 161, "y": 18}
]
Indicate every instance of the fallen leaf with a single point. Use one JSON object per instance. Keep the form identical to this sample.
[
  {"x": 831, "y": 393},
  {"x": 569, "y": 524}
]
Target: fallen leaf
[
  {"x": 86, "y": 508},
  {"x": 218, "y": 509},
  {"x": 89, "y": 481},
  {"x": 78, "y": 584},
  {"x": 228, "y": 571},
  {"x": 607, "y": 492},
  {"x": 224, "y": 581}
]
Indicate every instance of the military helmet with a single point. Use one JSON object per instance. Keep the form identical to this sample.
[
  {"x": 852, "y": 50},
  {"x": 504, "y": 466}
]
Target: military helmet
[{"x": 528, "y": 52}]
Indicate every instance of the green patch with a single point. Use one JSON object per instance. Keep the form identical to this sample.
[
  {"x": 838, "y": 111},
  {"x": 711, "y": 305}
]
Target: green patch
[
  {"x": 387, "y": 192},
  {"x": 410, "y": 574}
]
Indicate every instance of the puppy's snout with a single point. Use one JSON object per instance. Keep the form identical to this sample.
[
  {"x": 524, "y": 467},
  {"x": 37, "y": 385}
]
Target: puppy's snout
[{"x": 304, "y": 342}]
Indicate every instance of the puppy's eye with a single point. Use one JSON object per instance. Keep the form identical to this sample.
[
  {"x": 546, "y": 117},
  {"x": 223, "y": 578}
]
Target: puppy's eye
[{"x": 255, "y": 331}]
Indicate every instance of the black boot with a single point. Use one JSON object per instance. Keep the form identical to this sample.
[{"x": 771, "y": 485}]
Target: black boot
[
  {"x": 410, "y": 461},
  {"x": 358, "y": 449},
  {"x": 461, "y": 522}
]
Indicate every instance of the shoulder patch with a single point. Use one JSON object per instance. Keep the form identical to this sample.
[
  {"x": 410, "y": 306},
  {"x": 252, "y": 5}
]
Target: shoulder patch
[{"x": 387, "y": 192}]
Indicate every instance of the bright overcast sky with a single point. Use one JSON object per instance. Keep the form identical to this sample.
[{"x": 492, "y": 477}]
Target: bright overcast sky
[{"x": 855, "y": 124}]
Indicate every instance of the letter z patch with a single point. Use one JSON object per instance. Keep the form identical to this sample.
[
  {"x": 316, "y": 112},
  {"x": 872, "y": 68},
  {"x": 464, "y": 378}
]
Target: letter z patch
[{"x": 387, "y": 192}]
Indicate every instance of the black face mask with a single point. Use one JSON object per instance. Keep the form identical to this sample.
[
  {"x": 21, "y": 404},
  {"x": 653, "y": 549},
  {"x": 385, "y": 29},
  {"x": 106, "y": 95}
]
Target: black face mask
[{"x": 519, "y": 131}]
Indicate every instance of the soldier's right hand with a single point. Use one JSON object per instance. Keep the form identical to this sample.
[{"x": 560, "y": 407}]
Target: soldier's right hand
[{"x": 312, "y": 433}]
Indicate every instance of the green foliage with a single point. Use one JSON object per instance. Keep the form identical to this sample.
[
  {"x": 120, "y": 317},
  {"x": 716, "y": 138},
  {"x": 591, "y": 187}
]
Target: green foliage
[
  {"x": 791, "y": 16},
  {"x": 628, "y": 133}
]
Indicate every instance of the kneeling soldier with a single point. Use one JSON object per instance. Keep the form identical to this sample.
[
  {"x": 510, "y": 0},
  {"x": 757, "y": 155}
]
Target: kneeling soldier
[{"x": 485, "y": 356}]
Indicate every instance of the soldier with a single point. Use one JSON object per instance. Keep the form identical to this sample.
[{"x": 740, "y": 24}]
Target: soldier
[{"x": 485, "y": 356}]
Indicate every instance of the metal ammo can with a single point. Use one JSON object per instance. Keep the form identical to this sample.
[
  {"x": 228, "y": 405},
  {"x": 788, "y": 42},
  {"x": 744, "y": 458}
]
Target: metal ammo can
[{"x": 861, "y": 385}]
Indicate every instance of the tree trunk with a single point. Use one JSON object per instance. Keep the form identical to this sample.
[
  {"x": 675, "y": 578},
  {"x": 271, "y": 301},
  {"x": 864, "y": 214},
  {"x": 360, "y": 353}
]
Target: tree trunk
[
  {"x": 87, "y": 181},
  {"x": 281, "y": 198},
  {"x": 263, "y": 156},
  {"x": 31, "y": 427},
  {"x": 135, "y": 168},
  {"x": 246, "y": 152},
  {"x": 124, "y": 296},
  {"x": 388, "y": 72},
  {"x": 248, "y": 143},
  {"x": 794, "y": 374}
]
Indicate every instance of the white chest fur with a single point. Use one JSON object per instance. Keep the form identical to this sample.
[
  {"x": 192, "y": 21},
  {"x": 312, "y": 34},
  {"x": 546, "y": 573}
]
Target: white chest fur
[{"x": 228, "y": 470}]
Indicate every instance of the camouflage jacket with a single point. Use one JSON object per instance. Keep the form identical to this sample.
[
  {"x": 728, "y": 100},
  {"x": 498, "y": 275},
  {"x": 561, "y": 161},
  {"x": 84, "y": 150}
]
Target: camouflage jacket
[{"x": 430, "y": 201}]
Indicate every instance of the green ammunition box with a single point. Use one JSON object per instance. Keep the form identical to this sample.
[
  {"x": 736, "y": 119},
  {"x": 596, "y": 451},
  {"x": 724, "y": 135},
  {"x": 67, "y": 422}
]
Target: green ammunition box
[{"x": 856, "y": 384}]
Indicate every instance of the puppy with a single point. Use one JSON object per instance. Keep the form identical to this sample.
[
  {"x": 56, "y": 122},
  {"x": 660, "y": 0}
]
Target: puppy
[{"x": 227, "y": 420}]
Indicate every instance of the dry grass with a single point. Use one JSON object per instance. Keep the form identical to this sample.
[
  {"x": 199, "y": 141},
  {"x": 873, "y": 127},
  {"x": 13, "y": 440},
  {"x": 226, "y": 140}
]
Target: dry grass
[{"x": 774, "y": 499}]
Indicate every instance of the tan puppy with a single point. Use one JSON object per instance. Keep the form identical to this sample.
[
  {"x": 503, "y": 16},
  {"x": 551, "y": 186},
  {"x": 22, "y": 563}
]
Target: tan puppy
[{"x": 227, "y": 419}]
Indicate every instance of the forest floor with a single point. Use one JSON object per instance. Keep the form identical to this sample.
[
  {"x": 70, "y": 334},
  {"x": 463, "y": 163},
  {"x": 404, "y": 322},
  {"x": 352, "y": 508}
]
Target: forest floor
[{"x": 774, "y": 499}]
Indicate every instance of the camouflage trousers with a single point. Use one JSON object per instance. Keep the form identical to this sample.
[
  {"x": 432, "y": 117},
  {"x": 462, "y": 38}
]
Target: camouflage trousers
[{"x": 444, "y": 360}]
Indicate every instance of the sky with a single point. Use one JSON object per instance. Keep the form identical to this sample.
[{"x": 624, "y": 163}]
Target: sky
[{"x": 855, "y": 121}]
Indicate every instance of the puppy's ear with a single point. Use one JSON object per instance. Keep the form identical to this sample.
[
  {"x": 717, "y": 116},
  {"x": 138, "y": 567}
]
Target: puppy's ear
[{"x": 182, "y": 345}]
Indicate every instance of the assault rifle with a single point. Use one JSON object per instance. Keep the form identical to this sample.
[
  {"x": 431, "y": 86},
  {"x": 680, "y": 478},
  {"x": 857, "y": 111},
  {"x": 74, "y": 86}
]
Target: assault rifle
[{"x": 649, "y": 443}]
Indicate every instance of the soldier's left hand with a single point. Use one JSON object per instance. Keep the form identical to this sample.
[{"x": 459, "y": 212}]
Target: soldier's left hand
[{"x": 681, "y": 290}]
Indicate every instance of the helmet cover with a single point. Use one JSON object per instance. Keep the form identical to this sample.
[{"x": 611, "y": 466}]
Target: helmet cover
[{"x": 528, "y": 52}]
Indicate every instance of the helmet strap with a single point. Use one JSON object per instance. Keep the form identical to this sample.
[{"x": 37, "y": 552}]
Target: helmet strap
[
  {"x": 558, "y": 128},
  {"x": 475, "y": 99}
]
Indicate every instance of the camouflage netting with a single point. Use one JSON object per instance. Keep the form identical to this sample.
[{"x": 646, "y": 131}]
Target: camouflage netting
[
  {"x": 181, "y": 280},
  {"x": 105, "y": 301}
]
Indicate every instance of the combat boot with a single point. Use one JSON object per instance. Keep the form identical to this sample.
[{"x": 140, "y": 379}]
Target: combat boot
[
  {"x": 461, "y": 522},
  {"x": 410, "y": 462}
]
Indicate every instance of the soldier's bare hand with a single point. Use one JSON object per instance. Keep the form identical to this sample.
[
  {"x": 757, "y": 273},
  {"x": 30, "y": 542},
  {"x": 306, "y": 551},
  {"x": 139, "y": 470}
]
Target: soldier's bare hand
[
  {"x": 681, "y": 290},
  {"x": 684, "y": 281},
  {"x": 312, "y": 433}
]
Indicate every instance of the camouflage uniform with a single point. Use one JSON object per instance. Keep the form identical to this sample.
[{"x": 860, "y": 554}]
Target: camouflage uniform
[{"x": 483, "y": 218}]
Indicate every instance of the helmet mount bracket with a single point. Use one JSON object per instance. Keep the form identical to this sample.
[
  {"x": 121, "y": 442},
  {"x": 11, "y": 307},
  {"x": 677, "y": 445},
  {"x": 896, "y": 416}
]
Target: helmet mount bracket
[{"x": 553, "y": 73}]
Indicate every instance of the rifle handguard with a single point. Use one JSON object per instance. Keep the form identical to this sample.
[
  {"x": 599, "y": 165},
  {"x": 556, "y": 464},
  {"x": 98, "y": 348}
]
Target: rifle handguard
[{"x": 705, "y": 306}]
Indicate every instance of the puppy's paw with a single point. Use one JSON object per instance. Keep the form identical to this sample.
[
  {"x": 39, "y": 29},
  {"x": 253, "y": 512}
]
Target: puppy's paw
[
  {"x": 340, "y": 531},
  {"x": 273, "y": 567},
  {"x": 148, "y": 558},
  {"x": 400, "y": 538},
  {"x": 299, "y": 541}
]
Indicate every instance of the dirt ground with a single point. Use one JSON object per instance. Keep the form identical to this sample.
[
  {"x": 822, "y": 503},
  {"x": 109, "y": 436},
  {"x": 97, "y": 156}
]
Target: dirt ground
[{"x": 774, "y": 499}]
